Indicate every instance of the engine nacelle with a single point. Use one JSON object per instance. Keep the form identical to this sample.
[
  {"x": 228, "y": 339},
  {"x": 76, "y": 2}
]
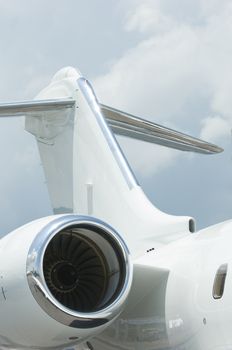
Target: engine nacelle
[{"x": 63, "y": 279}]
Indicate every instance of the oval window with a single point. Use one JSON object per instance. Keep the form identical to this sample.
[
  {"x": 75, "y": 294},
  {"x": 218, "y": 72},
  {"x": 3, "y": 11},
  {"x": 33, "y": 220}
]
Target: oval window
[{"x": 219, "y": 282}]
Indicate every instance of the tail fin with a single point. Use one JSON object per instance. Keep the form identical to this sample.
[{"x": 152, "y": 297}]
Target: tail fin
[{"x": 85, "y": 168}]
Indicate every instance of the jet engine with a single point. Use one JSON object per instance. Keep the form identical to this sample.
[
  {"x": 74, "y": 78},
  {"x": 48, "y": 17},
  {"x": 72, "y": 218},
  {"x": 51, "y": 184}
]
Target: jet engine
[{"x": 63, "y": 279}]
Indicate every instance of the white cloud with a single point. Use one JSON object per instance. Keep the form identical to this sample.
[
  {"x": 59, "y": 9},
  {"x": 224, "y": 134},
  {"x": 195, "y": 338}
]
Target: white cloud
[
  {"x": 146, "y": 18},
  {"x": 177, "y": 76},
  {"x": 148, "y": 159},
  {"x": 215, "y": 128}
]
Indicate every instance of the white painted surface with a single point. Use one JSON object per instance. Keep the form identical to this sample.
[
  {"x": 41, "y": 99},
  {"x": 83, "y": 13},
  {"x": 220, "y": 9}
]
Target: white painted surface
[
  {"x": 79, "y": 156},
  {"x": 171, "y": 304}
]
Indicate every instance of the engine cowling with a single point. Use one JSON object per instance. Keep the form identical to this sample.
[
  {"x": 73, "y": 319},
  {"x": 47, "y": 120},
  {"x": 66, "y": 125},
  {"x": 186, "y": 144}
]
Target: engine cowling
[{"x": 63, "y": 280}]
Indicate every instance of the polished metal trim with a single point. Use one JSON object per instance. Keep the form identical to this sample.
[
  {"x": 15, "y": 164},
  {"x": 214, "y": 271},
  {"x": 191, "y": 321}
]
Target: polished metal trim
[
  {"x": 126, "y": 124},
  {"x": 18, "y": 109},
  {"x": 93, "y": 103},
  {"x": 42, "y": 294}
]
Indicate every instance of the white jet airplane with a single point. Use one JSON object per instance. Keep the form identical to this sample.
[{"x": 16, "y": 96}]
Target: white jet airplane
[{"x": 108, "y": 270}]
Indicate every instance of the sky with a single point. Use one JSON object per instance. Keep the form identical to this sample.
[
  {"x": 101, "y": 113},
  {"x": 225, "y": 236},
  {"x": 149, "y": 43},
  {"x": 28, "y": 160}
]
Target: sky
[{"x": 168, "y": 61}]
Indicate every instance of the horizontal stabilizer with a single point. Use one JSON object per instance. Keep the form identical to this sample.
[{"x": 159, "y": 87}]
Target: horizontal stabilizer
[
  {"x": 121, "y": 123},
  {"x": 128, "y": 125},
  {"x": 22, "y": 108}
]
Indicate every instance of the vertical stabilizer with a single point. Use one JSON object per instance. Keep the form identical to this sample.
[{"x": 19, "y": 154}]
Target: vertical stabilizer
[{"x": 87, "y": 172}]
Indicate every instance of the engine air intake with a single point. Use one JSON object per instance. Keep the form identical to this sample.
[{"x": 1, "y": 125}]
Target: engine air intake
[{"x": 79, "y": 271}]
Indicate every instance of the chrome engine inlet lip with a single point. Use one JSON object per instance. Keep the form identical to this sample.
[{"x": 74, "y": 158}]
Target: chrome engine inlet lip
[{"x": 42, "y": 294}]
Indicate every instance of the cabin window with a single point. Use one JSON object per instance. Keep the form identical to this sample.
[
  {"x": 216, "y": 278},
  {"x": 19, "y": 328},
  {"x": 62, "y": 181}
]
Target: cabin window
[{"x": 219, "y": 282}]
